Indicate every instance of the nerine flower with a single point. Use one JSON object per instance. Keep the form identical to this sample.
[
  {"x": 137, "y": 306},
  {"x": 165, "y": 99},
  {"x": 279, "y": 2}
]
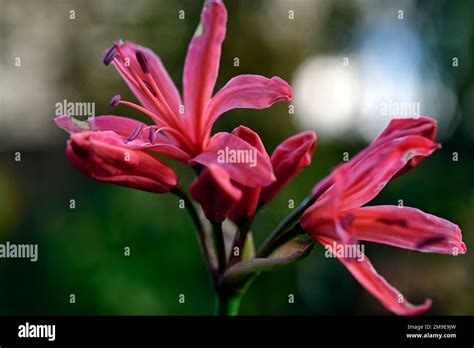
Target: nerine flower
[
  {"x": 182, "y": 129},
  {"x": 339, "y": 217},
  {"x": 287, "y": 161}
]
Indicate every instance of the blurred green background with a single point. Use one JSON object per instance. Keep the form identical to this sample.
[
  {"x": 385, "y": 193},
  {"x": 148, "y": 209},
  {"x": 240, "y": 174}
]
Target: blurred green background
[{"x": 392, "y": 56}]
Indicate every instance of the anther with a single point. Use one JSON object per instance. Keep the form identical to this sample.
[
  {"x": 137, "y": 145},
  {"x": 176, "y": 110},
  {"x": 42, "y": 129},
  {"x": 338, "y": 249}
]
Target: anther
[
  {"x": 115, "y": 100},
  {"x": 136, "y": 132},
  {"x": 112, "y": 52}
]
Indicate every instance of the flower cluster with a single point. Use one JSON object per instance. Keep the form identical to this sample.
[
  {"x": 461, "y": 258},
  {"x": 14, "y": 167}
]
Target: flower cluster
[{"x": 124, "y": 151}]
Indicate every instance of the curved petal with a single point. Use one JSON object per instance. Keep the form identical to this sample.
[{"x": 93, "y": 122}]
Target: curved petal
[
  {"x": 247, "y": 92},
  {"x": 401, "y": 127},
  {"x": 365, "y": 178},
  {"x": 121, "y": 125},
  {"x": 323, "y": 217},
  {"x": 215, "y": 192},
  {"x": 134, "y": 134},
  {"x": 100, "y": 156},
  {"x": 367, "y": 276},
  {"x": 288, "y": 160},
  {"x": 247, "y": 205},
  {"x": 398, "y": 128},
  {"x": 405, "y": 227},
  {"x": 243, "y": 162},
  {"x": 202, "y": 61},
  {"x": 146, "y": 65}
]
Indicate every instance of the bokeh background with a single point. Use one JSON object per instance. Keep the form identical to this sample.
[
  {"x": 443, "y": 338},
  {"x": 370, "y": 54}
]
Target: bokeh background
[{"x": 344, "y": 59}]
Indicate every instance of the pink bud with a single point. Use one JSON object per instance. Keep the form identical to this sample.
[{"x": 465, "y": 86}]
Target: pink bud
[{"x": 100, "y": 156}]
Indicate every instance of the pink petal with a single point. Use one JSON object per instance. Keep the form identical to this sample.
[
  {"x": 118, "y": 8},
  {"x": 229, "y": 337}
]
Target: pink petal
[
  {"x": 248, "y": 166},
  {"x": 401, "y": 127},
  {"x": 100, "y": 156},
  {"x": 65, "y": 122},
  {"x": 365, "y": 178},
  {"x": 407, "y": 228},
  {"x": 249, "y": 92},
  {"x": 247, "y": 205},
  {"x": 398, "y": 128},
  {"x": 215, "y": 192},
  {"x": 202, "y": 61},
  {"x": 157, "y": 71},
  {"x": 367, "y": 276},
  {"x": 288, "y": 160},
  {"x": 121, "y": 125},
  {"x": 125, "y": 127},
  {"x": 323, "y": 217}
]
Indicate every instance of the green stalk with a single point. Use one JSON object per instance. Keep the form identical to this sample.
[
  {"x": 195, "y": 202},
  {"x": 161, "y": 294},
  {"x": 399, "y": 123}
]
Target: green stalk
[
  {"x": 279, "y": 233},
  {"x": 204, "y": 241},
  {"x": 220, "y": 246},
  {"x": 228, "y": 304},
  {"x": 239, "y": 241}
]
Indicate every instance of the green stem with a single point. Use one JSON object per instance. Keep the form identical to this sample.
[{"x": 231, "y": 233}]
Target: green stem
[
  {"x": 204, "y": 240},
  {"x": 220, "y": 246},
  {"x": 228, "y": 304},
  {"x": 239, "y": 241}
]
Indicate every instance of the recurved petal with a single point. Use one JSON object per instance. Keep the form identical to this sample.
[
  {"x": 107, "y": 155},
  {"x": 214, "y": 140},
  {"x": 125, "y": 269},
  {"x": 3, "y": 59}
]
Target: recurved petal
[
  {"x": 215, "y": 192},
  {"x": 247, "y": 92},
  {"x": 405, "y": 227},
  {"x": 375, "y": 284},
  {"x": 243, "y": 162},
  {"x": 202, "y": 60}
]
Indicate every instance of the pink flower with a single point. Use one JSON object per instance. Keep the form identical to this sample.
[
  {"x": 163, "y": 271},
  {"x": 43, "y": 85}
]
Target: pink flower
[
  {"x": 101, "y": 157},
  {"x": 183, "y": 130},
  {"x": 287, "y": 161},
  {"x": 338, "y": 217}
]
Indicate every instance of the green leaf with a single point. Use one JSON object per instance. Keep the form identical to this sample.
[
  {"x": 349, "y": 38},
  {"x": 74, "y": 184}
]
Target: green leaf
[{"x": 294, "y": 250}]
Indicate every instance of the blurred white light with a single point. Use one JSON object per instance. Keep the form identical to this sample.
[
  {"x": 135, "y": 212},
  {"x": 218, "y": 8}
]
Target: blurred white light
[
  {"x": 398, "y": 79},
  {"x": 325, "y": 95}
]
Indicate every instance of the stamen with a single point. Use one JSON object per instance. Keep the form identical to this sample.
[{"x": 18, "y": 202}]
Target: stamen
[
  {"x": 115, "y": 100},
  {"x": 110, "y": 55},
  {"x": 142, "y": 61},
  {"x": 112, "y": 52},
  {"x": 136, "y": 132},
  {"x": 150, "y": 88},
  {"x": 142, "y": 109}
]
